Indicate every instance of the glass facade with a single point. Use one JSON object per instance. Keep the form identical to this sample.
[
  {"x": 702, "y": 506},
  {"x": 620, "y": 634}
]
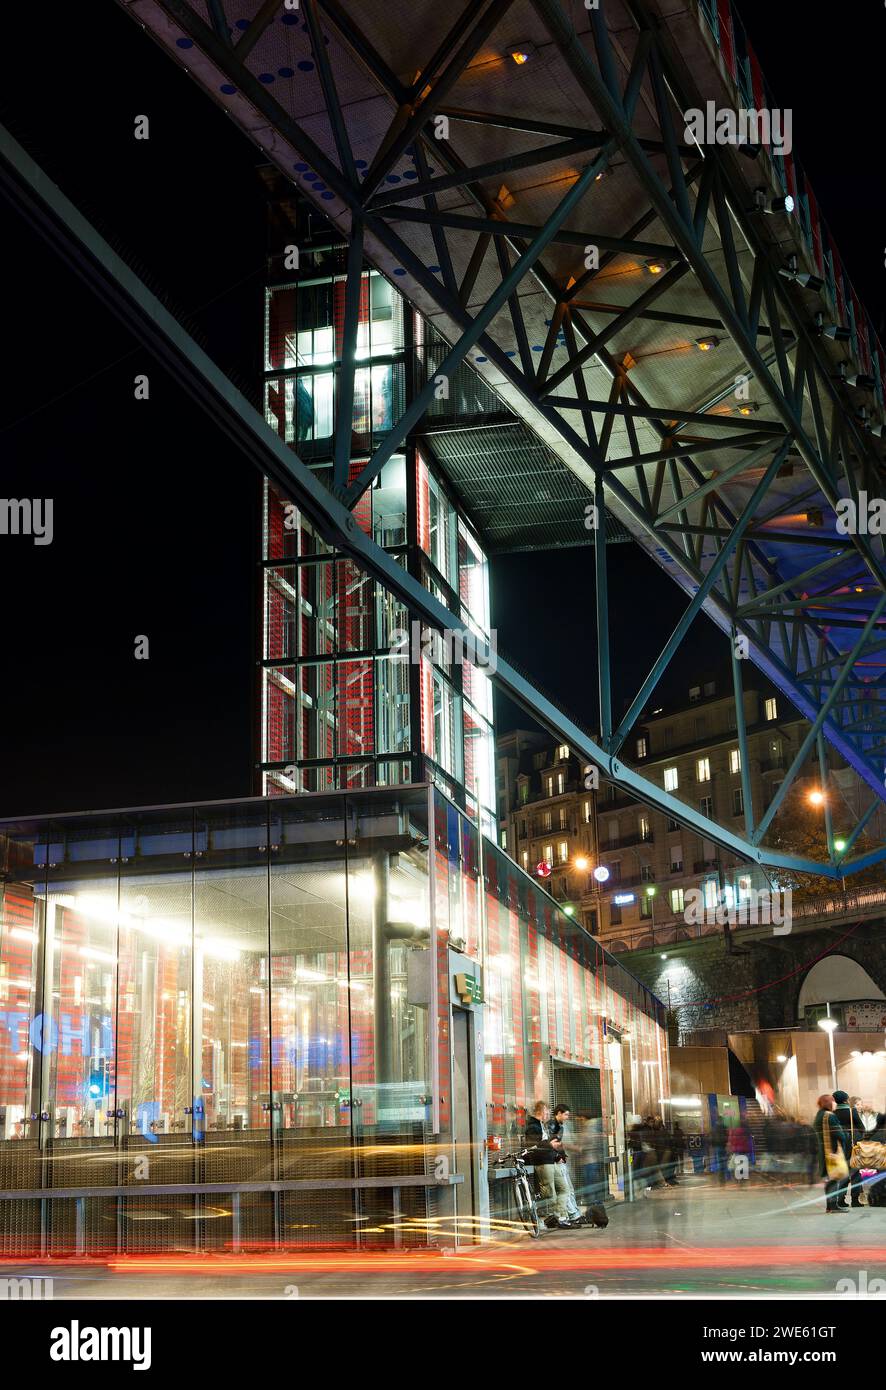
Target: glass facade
[
  {"x": 344, "y": 704},
  {"x": 272, "y": 993}
]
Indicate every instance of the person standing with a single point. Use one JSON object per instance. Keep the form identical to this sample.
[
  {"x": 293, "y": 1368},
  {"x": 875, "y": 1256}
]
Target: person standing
[
  {"x": 849, "y": 1120},
  {"x": 831, "y": 1140},
  {"x": 550, "y": 1173},
  {"x": 557, "y": 1130}
]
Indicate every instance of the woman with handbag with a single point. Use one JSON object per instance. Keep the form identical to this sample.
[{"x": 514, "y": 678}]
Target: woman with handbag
[
  {"x": 833, "y": 1150},
  {"x": 868, "y": 1157}
]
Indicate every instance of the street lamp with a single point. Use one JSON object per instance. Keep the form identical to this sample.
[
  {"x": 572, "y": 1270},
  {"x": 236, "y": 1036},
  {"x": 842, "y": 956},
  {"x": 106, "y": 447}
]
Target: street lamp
[
  {"x": 649, "y": 892},
  {"x": 829, "y": 1026},
  {"x": 816, "y": 798}
]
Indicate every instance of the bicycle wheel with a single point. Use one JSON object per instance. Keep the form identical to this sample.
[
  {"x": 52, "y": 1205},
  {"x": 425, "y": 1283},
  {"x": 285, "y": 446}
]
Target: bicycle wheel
[{"x": 526, "y": 1209}]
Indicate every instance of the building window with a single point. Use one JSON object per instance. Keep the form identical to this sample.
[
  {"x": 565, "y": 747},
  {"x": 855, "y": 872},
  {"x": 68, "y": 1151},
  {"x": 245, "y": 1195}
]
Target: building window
[
  {"x": 695, "y": 693},
  {"x": 647, "y": 873},
  {"x": 676, "y": 897},
  {"x": 710, "y": 688},
  {"x": 615, "y": 915},
  {"x": 671, "y": 779},
  {"x": 524, "y": 793},
  {"x": 561, "y": 783},
  {"x": 737, "y": 801},
  {"x": 563, "y": 752},
  {"x": 563, "y": 815},
  {"x": 743, "y": 888},
  {"x": 503, "y": 839},
  {"x": 706, "y": 805},
  {"x": 550, "y": 786},
  {"x": 525, "y": 857},
  {"x": 564, "y": 851},
  {"x": 711, "y": 890},
  {"x": 586, "y": 811},
  {"x": 615, "y": 870},
  {"x": 546, "y": 821},
  {"x": 645, "y": 828},
  {"x": 642, "y": 747},
  {"x": 645, "y": 906},
  {"x": 676, "y": 859},
  {"x": 771, "y": 708},
  {"x": 703, "y": 770},
  {"x": 549, "y": 855},
  {"x": 735, "y": 760},
  {"x": 672, "y": 824}
]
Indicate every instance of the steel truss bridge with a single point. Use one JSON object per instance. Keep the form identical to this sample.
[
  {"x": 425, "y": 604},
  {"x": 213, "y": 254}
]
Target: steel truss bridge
[{"x": 522, "y": 171}]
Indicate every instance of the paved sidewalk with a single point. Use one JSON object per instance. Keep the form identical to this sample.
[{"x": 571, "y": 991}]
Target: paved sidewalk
[{"x": 755, "y": 1239}]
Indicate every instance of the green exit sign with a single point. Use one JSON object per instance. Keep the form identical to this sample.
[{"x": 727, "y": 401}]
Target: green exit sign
[{"x": 469, "y": 989}]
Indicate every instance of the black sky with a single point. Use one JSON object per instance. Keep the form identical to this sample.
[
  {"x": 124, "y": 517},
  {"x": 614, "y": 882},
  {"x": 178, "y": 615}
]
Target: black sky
[{"x": 155, "y": 511}]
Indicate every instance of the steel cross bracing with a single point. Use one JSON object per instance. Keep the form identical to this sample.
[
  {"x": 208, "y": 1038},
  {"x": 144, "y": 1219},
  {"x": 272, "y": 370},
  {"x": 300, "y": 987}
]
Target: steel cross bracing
[
  {"x": 24, "y": 183},
  {"x": 723, "y": 531}
]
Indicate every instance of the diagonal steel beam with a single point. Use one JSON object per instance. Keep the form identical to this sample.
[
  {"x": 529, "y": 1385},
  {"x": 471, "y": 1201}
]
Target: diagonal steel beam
[{"x": 56, "y": 219}]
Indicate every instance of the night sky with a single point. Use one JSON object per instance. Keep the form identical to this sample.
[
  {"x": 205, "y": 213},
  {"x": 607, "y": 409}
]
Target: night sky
[{"x": 155, "y": 512}]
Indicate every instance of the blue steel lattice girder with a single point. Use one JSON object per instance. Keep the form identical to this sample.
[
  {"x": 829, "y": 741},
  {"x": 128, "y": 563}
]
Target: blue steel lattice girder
[
  {"x": 121, "y": 289},
  {"x": 774, "y": 651}
]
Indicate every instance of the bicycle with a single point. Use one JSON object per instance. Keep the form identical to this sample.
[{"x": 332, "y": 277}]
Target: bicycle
[{"x": 524, "y": 1198}]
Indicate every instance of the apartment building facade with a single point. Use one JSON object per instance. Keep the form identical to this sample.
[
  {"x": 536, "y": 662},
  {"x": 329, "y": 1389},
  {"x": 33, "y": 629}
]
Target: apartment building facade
[{"x": 624, "y": 869}]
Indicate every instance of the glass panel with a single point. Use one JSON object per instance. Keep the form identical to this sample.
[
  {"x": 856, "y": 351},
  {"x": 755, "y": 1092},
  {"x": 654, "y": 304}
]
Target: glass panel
[{"x": 232, "y": 987}]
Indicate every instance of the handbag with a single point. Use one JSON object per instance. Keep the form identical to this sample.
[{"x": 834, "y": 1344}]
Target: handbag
[
  {"x": 868, "y": 1153},
  {"x": 835, "y": 1163}
]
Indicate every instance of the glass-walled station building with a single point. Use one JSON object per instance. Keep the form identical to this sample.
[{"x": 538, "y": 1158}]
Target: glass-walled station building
[
  {"x": 291, "y": 1021},
  {"x": 342, "y": 703}
]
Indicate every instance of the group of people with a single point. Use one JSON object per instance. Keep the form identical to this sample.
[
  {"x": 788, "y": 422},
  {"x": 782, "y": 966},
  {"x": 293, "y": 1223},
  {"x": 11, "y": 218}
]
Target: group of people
[
  {"x": 841, "y": 1124},
  {"x": 657, "y": 1153},
  {"x": 546, "y": 1151}
]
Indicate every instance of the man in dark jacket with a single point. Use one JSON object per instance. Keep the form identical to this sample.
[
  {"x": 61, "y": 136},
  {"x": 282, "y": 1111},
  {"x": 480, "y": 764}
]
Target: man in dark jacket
[
  {"x": 551, "y": 1174},
  {"x": 849, "y": 1120}
]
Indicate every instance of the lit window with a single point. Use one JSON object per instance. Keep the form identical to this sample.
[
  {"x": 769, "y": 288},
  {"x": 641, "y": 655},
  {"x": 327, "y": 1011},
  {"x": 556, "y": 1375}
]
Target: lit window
[
  {"x": 563, "y": 850},
  {"x": 503, "y": 839},
  {"x": 550, "y": 786},
  {"x": 711, "y": 894},
  {"x": 771, "y": 708},
  {"x": 561, "y": 783},
  {"x": 587, "y": 812},
  {"x": 706, "y": 805},
  {"x": 525, "y": 857},
  {"x": 676, "y": 897},
  {"x": 549, "y": 855},
  {"x": 563, "y": 818},
  {"x": 735, "y": 760},
  {"x": 703, "y": 770},
  {"x": 676, "y": 859},
  {"x": 642, "y": 747},
  {"x": 671, "y": 779},
  {"x": 645, "y": 828},
  {"x": 695, "y": 693},
  {"x": 546, "y": 819},
  {"x": 563, "y": 752}
]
